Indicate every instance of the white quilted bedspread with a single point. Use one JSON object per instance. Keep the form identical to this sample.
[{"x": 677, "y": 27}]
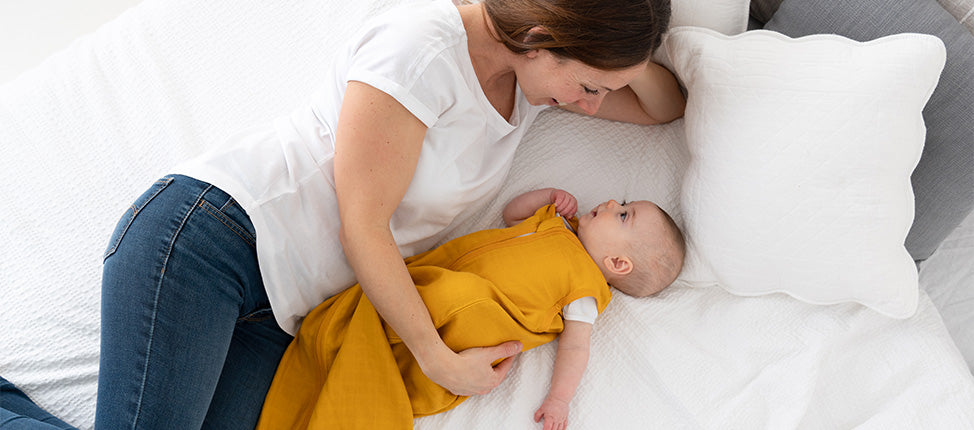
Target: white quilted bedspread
[{"x": 84, "y": 133}]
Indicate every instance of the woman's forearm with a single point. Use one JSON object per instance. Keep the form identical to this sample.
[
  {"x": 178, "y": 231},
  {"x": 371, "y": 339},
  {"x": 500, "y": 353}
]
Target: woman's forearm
[
  {"x": 375, "y": 258},
  {"x": 376, "y": 152},
  {"x": 377, "y": 148},
  {"x": 652, "y": 97},
  {"x": 384, "y": 279},
  {"x": 659, "y": 93}
]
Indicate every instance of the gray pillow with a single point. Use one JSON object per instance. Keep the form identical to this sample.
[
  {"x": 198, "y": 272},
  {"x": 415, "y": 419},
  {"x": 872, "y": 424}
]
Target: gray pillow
[
  {"x": 963, "y": 10},
  {"x": 762, "y": 10},
  {"x": 943, "y": 181}
]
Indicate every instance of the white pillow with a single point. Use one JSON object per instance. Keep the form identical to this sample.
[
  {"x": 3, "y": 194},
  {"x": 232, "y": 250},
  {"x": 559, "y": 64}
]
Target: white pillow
[
  {"x": 801, "y": 154},
  {"x": 726, "y": 16}
]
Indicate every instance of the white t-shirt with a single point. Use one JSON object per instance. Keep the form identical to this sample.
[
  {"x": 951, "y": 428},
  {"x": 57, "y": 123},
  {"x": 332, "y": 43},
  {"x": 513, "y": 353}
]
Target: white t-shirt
[
  {"x": 584, "y": 309},
  {"x": 282, "y": 173}
]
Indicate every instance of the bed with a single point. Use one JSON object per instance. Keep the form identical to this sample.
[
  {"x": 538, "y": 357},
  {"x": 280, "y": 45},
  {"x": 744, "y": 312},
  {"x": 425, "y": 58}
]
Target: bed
[{"x": 86, "y": 131}]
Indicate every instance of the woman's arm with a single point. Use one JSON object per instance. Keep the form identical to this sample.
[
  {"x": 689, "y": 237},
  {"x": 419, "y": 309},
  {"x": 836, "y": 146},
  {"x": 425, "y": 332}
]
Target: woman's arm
[
  {"x": 377, "y": 147},
  {"x": 524, "y": 205},
  {"x": 570, "y": 362},
  {"x": 653, "y": 97}
]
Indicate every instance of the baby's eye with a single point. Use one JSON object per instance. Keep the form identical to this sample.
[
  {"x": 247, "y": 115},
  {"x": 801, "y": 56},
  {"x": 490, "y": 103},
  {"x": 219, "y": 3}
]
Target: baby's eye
[
  {"x": 591, "y": 91},
  {"x": 624, "y": 215}
]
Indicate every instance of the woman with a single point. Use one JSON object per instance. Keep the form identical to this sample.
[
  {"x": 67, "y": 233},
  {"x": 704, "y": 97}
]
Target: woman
[{"x": 213, "y": 268}]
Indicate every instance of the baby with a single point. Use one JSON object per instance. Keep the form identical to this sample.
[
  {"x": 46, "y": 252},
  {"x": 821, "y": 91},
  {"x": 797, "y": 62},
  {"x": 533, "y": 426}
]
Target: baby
[
  {"x": 618, "y": 240},
  {"x": 542, "y": 277},
  {"x": 639, "y": 250}
]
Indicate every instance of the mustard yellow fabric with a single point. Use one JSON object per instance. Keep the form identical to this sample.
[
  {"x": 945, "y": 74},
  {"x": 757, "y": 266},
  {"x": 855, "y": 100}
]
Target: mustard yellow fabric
[{"x": 347, "y": 369}]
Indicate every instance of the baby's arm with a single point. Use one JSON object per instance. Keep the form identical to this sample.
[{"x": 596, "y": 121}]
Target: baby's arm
[
  {"x": 524, "y": 205},
  {"x": 570, "y": 362}
]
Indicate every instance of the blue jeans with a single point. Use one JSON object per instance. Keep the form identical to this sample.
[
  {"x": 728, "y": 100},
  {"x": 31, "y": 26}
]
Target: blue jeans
[
  {"x": 18, "y": 412},
  {"x": 188, "y": 339}
]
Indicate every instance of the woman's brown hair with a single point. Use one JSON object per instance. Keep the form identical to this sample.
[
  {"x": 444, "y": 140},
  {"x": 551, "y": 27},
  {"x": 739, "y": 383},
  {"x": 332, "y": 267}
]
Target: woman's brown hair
[{"x": 605, "y": 34}]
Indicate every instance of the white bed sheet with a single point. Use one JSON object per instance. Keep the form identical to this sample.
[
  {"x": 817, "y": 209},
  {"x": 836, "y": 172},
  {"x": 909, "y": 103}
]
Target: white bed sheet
[
  {"x": 948, "y": 278},
  {"x": 85, "y": 132}
]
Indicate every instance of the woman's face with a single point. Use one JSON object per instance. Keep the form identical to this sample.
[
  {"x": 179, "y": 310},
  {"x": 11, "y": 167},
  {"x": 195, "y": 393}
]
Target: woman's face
[{"x": 547, "y": 79}]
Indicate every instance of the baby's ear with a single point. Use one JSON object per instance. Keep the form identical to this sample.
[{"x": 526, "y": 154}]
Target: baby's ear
[{"x": 617, "y": 265}]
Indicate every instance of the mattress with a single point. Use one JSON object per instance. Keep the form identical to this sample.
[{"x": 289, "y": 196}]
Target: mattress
[{"x": 86, "y": 131}]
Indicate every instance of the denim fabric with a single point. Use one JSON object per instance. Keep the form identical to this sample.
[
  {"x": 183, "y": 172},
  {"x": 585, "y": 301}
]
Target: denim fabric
[
  {"x": 18, "y": 412},
  {"x": 188, "y": 339}
]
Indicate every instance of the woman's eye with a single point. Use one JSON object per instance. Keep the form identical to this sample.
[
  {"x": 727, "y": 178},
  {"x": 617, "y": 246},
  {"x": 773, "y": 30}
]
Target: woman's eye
[{"x": 591, "y": 91}]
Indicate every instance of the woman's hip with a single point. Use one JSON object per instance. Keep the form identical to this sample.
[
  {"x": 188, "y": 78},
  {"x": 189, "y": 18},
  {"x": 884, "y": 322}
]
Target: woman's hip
[{"x": 190, "y": 232}]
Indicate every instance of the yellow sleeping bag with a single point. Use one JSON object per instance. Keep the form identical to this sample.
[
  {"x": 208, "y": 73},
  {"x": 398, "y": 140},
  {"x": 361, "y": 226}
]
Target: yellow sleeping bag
[{"x": 348, "y": 369}]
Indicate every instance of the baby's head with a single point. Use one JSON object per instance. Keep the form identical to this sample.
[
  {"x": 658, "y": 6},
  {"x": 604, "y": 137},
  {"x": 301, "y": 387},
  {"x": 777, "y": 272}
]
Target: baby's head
[{"x": 637, "y": 245}]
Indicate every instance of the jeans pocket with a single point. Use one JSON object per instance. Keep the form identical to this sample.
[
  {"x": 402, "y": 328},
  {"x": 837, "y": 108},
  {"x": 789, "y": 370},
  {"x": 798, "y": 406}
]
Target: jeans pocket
[
  {"x": 226, "y": 217},
  {"x": 132, "y": 212},
  {"x": 259, "y": 315}
]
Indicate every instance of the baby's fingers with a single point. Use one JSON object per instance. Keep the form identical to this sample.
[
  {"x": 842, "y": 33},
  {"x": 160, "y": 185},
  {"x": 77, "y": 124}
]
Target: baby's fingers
[
  {"x": 565, "y": 204},
  {"x": 553, "y": 425},
  {"x": 571, "y": 210}
]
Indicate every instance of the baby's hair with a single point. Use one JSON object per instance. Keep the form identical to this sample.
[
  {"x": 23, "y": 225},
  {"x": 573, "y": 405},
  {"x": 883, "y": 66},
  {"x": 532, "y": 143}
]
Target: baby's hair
[{"x": 657, "y": 260}]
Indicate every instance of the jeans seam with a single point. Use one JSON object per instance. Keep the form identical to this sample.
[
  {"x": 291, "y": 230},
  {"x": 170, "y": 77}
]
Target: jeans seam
[
  {"x": 155, "y": 306},
  {"x": 135, "y": 212},
  {"x": 205, "y": 205},
  {"x": 257, "y": 316},
  {"x": 229, "y": 202}
]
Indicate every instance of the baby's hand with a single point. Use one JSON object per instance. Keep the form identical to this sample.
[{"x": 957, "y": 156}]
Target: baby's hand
[
  {"x": 564, "y": 202},
  {"x": 554, "y": 412}
]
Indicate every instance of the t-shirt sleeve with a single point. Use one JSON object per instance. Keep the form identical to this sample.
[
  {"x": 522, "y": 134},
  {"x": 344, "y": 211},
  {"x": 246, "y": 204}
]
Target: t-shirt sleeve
[
  {"x": 412, "y": 61},
  {"x": 584, "y": 309}
]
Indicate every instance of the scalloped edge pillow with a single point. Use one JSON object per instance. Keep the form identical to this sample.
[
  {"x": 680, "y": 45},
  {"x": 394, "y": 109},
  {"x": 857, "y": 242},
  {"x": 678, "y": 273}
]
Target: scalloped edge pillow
[
  {"x": 726, "y": 16},
  {"x": 801, "y": 152}
]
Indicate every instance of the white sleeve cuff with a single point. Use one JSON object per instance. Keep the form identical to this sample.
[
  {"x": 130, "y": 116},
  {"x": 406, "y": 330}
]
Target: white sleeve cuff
[{"x": 584, "y": 309}]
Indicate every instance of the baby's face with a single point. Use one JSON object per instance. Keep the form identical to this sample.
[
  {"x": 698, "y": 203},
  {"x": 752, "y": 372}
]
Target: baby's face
[{"x": 607, "y": 228}]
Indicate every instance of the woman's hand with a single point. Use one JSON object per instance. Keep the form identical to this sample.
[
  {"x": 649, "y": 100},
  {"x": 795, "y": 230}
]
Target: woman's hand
[{"x": 471, "y": 371}]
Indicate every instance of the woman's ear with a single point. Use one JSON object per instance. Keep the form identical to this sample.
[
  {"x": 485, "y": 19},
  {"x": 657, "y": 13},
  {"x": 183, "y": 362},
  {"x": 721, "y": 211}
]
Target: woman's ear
[
  {"x": 537, "y": 34},
  {"x": 617, "y": 265}
]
